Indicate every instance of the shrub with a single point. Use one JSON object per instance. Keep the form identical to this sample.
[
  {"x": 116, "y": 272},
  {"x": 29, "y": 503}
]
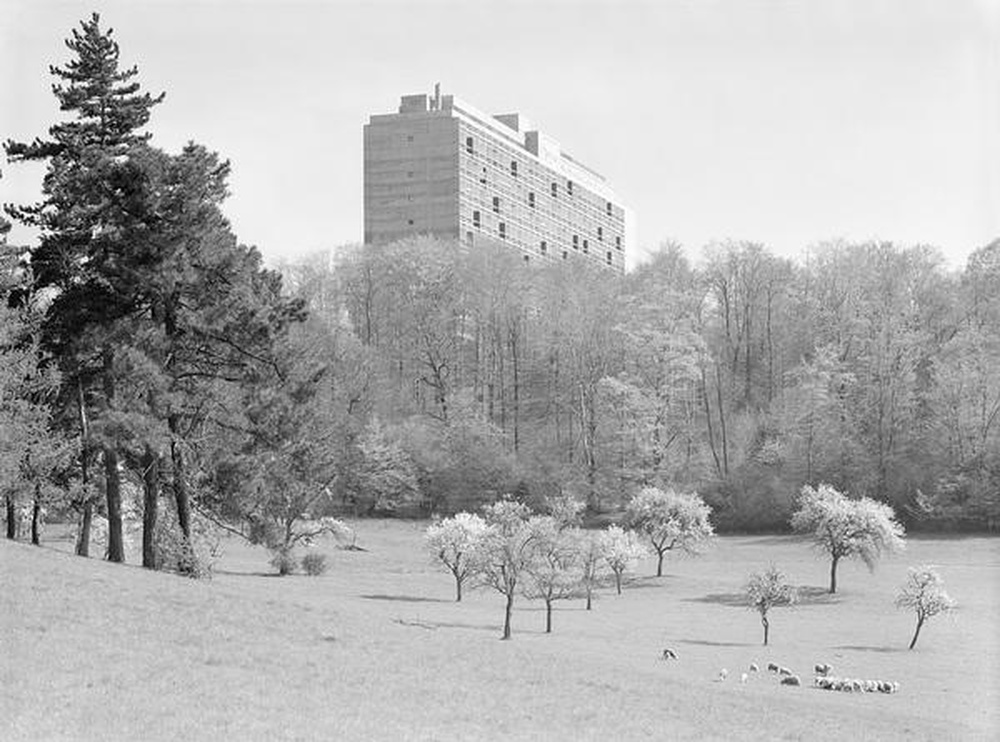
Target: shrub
[
  {"x": 314, "y": 564},
  {"x": 284, "y": 561}
]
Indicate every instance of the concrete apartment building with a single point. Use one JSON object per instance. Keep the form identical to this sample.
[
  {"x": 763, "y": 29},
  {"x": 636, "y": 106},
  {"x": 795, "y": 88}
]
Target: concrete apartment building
[{"x": 438, "y": 166}]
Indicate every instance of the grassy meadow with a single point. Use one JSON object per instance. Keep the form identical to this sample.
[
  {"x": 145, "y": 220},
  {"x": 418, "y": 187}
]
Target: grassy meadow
[{"x": 377, "y": 649}]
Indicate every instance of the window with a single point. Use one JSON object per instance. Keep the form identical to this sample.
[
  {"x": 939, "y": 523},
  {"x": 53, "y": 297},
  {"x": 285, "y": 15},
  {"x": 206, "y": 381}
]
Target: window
[
  {"x": 609, "y": 208},
  {"x": 482, "y": 178},
  {"x": 475, "y": 219},
  {"x": 600, "y": 234},
  {"x": 576, "y": 242},
  {"x": 513, "y": 168},
  {"x": 409, "y": 137},
  {"x": 531, "y": 200},
  {"x": 527, "y": 258},
  {"x": 409, "y": 173},
  {"x": 565, "y": 254},
  {"x": 496, "y": 204},
  {"x": 555, "y": 190},
  {"x": 618, "y": 242},
  {"x": 468, "y": 145},
  {"x": 503, "y": 231},
  {"x": 569, "y": 187},
  {"x": 410, "y": 222},
  {"x": 468, "y": 238},
  {"x": 609, "y": 257},
  {"x": 543, "y": 248},
  {"x": 585, "y": 245}
]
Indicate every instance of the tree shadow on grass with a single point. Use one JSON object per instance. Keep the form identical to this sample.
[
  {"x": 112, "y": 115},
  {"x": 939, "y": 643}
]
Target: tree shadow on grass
[
  {"x": 707, "y": 643},
  {"x": 406, "y": 598},
  {"x": 732, "y": 600},
  {"x": 811, "y": 595},
  {"x": 881, "y": 650},
  {"x": 435, "y": 625}
]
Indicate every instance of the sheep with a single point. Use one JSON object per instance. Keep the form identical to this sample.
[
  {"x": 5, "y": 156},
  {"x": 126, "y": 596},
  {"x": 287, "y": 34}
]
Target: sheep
[
  {"x": 723, "y": 674},
  {"x": 753, "y": 667},
  {"x": 743, "y": 678},
  {"x": 771, "y": 667},
  {"x": 669, "y": 654},
  {"x": 784, "y": 671},
  {"x": 823, "y": 669},
  {"x": 791, "y": 680}
]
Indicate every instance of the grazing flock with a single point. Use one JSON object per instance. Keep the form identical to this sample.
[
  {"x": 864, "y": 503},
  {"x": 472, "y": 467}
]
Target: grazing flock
[{"x": 822, "y": 680}]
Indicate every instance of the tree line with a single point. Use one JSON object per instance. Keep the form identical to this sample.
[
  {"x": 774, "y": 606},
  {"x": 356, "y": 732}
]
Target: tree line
[{"x": 871, "y": 367}]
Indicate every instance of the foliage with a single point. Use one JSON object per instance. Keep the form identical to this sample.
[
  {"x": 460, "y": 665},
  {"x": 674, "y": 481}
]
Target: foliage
[
  {"x": 456, "y": 543},
  {"x": 620, "y": 549},
  {"x": 554, "y": 570},
  {"x": 924, "y": 594},
  {"x": 314, "y": 564},
  {"x": 767, "y": 590},
  {"x": 670, "y": 520},
  {"x": 284, "y": 561},
  {"x": 507, "y": 551},
  {"x": 845, "y": 528},
  {"x": 593, "y": 567},
  {"x": 385, "y": 479}
]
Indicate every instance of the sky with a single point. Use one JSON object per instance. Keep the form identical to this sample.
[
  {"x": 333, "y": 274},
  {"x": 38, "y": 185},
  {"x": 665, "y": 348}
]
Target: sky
[{"x": 788, "y": 122}]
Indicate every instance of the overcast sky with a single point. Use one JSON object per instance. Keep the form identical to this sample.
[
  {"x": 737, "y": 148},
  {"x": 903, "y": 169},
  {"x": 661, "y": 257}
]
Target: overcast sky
[{"x": 786, "y": 123}]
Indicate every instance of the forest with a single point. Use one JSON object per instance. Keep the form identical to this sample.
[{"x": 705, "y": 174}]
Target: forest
[{"x": 153, "y": 370}]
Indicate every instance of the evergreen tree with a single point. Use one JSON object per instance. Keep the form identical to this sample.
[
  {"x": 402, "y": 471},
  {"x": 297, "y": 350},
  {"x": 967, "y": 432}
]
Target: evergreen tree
[{"x": 93, "y": 254}]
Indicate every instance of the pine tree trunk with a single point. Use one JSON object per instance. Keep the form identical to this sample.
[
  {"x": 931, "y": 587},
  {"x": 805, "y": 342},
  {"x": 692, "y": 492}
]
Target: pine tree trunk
[
  {"x": 113, "y": 484},
  {"x": 83, "y": 536},
  {"x": 116, "y": 543},
  {"x": 508, "y": 611},
  {"x": 36, "y": 516},
  {"x": 11, "y": 518},
  {"x": 150, "y": 491},
  {"x": 179, "y": 484},
  {"x": 913, "y": 641},
  {"x": 833, "y": 574}
]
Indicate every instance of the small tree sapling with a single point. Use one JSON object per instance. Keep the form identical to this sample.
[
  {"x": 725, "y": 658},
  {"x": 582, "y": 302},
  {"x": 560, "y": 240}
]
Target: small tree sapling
[
  {"x": 621, "y": 549},
  {"x": 924, "y": 594},
  {"x": 455, "y": 542},
  {"x": 768, "y": 590}
]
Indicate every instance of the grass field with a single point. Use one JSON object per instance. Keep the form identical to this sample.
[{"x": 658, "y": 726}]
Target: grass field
[{"x": 377, "y": 649}]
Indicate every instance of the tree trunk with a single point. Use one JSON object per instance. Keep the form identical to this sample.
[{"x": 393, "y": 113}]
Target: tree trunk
[
  {"x": 618, "y": 582},
  {"x": 589, "y": 593},
  {"x": 179, "y": 484},
  {"x": 913, "y": 641},
  {"x": 116, "y": 543},
  {"x": 150, "y": 491},
  {"x": 458, "y": 589},
  {"x": 83, "y": 535},
  {"x": 548, "y": 616},
  {"x": 113, "y": 485},
  {"x": 833, "y": 574},
  {"x": 36, "y": 516},
  {"x": 659, "y": 563},
  {"x": 767, "y": 627},
  {"x": 508, "y": 611},
  {"x": 11, "y": 518}
]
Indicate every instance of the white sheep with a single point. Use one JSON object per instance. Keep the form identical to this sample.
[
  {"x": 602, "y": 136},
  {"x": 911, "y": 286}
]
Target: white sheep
[
  {"x": 753, "y": 667},
  {"x": 823, "y": 669},
  {"x": 772, "y": 667},
  {"x": 723, "y": 674},
  {"x": 784, "y": 671},
  {"x": 791, "y": 680},
  {"x": 743, "y": 678},
  {"x": 669, "y": 654}
]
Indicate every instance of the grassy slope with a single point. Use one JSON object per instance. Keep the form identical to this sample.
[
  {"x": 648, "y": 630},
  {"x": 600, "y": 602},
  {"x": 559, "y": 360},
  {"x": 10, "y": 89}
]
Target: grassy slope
[{"x": 376, "y": 649}]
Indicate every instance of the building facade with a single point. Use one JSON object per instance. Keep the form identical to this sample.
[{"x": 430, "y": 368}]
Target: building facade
[{"x": 438, "y": 166}]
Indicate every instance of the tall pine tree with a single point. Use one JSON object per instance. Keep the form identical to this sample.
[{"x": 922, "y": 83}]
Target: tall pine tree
[{"x": 94, "y": 253}]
